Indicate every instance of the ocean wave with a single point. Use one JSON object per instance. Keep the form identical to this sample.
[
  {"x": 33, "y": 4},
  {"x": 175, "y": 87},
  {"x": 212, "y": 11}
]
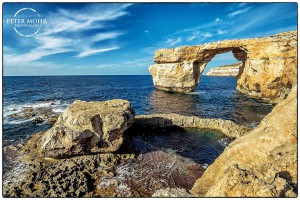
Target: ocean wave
[
  {"x": 198, "y": 92},
  {"x": 57, "y": 106},
  {"x": 17, "y": 121}
]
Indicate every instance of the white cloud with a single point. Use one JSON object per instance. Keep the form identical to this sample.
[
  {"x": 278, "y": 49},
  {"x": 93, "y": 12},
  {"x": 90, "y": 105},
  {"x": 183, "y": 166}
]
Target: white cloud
[
  {"x": 218, "y": 20},
  {"x": 259, "y": 17},
  {"x": 238, "y": 12},
  {"x": 206, "y": 35},
  {"x": 221, "y": 32},
  {"x": 149, "y": 50},
  {"x": 190, "y": 38},
  {"x": 173, "y": 41},
  {"x": 101, "y": 66},
  {"x": 89, "y": 52},
  {"x": 105, "y": 36},
  {"x": 63, "y": 33},
  {"x": 140, "y": 62}
]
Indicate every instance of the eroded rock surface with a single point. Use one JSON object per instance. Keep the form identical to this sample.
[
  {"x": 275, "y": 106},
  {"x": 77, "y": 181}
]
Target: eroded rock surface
[
  {"x": 102, "y": 175},
  {"x": 30, "y": 175},
  {"x": 88, "y": 127},
  {"x": 269, "y": 65},
  {"x": 225, "y": 70},
  {"x": 153, "y": 121},
  {"x": 263, "y": 163}
]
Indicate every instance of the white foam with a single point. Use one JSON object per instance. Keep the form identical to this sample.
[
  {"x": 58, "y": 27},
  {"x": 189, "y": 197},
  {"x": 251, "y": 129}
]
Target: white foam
[
  {"x": 205, "y": 165},
  {"x": 199, "y": 92},
  {"x": 224, "y": 142},
  {"x": 57, "y": 106}
]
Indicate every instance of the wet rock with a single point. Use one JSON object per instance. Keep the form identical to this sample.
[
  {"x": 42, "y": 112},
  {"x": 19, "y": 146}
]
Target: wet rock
[
  {"x": 30, "y": 175},
  {"x": 38, "y": 115},
  {"x": 88, "y": 127},
  {"x": 38, "y": 120},
  {"x": 150, "y": 172}
]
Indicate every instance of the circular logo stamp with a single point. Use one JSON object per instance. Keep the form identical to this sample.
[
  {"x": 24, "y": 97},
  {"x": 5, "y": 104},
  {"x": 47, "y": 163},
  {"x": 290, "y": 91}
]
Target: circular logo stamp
[{"x": 27, "y": 22}]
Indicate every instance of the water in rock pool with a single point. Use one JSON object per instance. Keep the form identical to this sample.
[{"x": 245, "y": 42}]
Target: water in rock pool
[
  {"x": 215, "y": 97},
  {"x": 201, "y": 145}
]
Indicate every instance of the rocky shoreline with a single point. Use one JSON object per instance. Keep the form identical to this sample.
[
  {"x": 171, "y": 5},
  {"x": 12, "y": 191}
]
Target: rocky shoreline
[
  {"x": 159, "y": 174},
  {"x": 81, "y": 154},
  {"x": 53, "y": 164}
]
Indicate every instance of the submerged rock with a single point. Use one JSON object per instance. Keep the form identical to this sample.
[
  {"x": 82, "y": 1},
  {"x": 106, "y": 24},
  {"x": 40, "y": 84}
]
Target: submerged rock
[
  {"x": 149, "y": 172},
  {"x": 263, "y": 163},
  {"x": 88, "y": 127}
]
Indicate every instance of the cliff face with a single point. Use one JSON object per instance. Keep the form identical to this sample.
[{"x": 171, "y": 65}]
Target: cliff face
[
  {"x": 262, "y": 163},
  {"x": 268, "y": 71},
  {"x": 226, "y": 70}
]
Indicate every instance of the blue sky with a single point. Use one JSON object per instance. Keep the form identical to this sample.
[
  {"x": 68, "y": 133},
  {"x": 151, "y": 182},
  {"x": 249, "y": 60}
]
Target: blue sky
[{"x": 120, "y": 39}]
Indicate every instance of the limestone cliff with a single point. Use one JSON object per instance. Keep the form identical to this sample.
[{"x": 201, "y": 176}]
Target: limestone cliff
[
  {"x": 263, "y": 163},
  {"x": 225, "y": 70},
  {"x": 269, "y": 65}
]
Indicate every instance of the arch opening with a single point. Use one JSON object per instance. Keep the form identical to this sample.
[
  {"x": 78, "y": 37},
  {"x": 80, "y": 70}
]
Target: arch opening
[{"x": 215, "y": 59}]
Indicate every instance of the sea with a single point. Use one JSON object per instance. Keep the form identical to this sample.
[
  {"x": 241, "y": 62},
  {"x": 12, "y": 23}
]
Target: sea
[{"x": 215, "y": 97}]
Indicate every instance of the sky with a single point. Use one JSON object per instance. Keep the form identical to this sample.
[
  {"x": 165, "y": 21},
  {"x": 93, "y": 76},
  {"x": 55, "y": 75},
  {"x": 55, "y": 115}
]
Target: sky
[{"x": 121, "y": 39}]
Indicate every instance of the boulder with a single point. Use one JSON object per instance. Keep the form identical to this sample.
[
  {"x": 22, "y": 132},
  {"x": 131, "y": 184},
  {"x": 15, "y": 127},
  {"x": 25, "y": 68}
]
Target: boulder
[{"x": 88, "y": 127}]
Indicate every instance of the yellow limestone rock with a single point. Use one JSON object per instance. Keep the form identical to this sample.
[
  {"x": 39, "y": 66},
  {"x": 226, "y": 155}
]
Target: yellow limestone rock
[
  {"x": 225, "y": 70},
  {"x": 268, "y": 71},
  {"x": 88, "y": 127},
  {"x": 262, "y": 163}
]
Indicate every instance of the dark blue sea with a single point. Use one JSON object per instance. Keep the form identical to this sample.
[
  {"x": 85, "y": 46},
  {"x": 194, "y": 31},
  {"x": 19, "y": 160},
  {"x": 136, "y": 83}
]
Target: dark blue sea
[{"x": 215, "y": 97}]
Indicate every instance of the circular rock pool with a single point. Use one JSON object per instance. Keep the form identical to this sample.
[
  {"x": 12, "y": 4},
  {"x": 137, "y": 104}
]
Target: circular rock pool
[{"x": 201, "y": 145}]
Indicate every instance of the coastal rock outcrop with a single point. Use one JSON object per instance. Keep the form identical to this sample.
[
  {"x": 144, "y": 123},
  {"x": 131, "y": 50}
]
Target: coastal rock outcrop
[
  {"x": 263, "y": 163},
  {"x": 88, "y": 127},
  {"x": 28, "y": 174},
  {"x": 225, "y": 70},
  {"x": 36, "y": 115},
  {"x": 268, "y": 71},
  {"x": 31, "y": 175},
  {"x": 155, "y": 121}
]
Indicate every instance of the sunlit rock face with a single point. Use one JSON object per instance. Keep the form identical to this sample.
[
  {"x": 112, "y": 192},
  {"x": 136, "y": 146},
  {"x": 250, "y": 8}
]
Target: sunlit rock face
[
  {"x": 88, "y": 127},
  {"x": 262, "y": 163},
  {"x": 268, "y": 71},
  {"x": 225, "y": 70}
]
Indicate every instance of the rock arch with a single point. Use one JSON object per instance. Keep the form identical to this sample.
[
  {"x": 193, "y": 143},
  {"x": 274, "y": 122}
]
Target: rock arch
[{"x": 268, "y": 72}]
